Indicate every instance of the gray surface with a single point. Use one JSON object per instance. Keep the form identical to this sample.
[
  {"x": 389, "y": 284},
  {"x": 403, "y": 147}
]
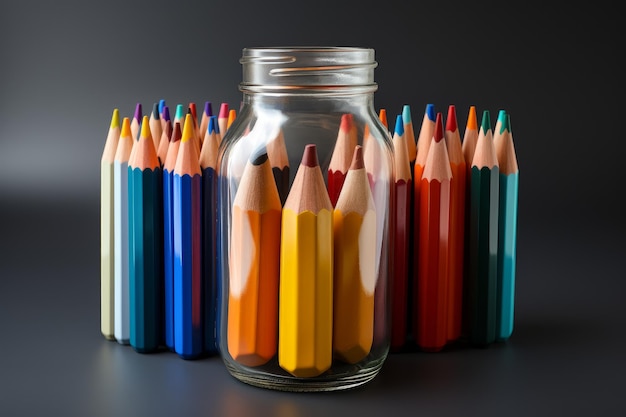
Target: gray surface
[{"x": 65, "y": 65}]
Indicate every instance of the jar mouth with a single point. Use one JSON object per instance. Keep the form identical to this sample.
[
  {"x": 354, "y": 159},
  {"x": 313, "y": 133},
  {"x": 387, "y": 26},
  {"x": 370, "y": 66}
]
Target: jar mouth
[{"x": 298, "y": 68}]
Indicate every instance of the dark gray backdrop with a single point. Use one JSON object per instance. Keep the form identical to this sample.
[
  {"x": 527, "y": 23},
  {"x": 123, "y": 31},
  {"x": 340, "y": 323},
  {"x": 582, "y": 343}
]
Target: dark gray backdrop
[{"x": 65, "y": 65}]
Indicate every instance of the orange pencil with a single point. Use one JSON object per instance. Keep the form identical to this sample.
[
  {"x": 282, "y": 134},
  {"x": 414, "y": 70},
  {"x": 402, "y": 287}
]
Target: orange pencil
[
  {"x": 470, "y": 137},
  {"x": 457, "y": 225},
  {"x": 354, "y": 223},
  {"x": 254, "y": 265},
  {"x": 342, "y": 157},
  {"x": 431, "y": 326},
  {"x": 232, "y": 115},
  {"x": 382, "y": 116}
]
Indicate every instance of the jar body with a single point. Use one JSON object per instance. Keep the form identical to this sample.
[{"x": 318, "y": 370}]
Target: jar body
[{"x": 303, "y": 225}]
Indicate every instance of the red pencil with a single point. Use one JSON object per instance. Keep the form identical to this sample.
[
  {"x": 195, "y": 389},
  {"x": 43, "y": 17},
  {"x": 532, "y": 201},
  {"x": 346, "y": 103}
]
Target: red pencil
[{"x": 342, "y": 157}]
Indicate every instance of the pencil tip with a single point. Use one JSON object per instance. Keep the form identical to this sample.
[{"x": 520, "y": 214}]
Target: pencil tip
[
  {"x": 166, "y": 113},
  {"x": 115, "y": 119},
  {"x": 192, "y": 108},
  {"x": 161, "y": 105},
  {"x": 406, "y": 114},
  {"x": 472, "y": 121},
  {"x": 399, "y": 130},
  {"x": 138, "y": 112},
  {"x": 259, "y": 157},
  {"x": 357, "y": 158},
  {"x": 213, "y": 125},
  {"x": 346, "y": 122},
  {"x": 223, "y": 111},
  {"x": 145, "y": 128},
  {"x": 155, "y": 111},
  {"x": 486, "y": 123},
  {"x": 180, "y": 112},
  {"x": 208, "y": 109},
  {"x": 309, "y": 158},
  {"x": 382, "y": 116},
  {"x": 176, "y": 133},
  {"x": 430, "y": 112},
  {"x": 451, "y": 119},
  {"x": 439, "y": 127},
  {"x": 502, "y": 120},
  {"x": 507, "y": 122},
  {"x": 187, "y": 128},
  {"x": 126, "y": 128}
]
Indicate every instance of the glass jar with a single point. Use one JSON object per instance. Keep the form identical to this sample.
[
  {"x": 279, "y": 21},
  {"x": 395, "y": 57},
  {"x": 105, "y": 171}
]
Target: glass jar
[{"x": 304, "y": 222}]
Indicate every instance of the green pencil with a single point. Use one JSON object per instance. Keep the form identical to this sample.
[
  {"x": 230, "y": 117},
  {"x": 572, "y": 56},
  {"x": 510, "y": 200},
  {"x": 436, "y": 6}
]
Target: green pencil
[{"x": 483, "y": 237}]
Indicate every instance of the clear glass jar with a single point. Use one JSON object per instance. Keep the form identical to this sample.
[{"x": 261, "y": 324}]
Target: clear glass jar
[{"x": 304, "y": 221}]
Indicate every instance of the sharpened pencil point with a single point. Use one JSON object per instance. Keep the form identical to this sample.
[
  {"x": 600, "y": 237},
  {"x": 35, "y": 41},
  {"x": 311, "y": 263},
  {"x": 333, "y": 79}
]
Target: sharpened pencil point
[
  {"x": 346, "y": 122},
  {"x": 166, "y": 113},
  {"x": 176, "y": 132},
  {"x": 187, "y": 128},
  {"x": 115, "y": 119},
  {"x": 472, "y": 121},
  {"x": 138, "y": 112},
  {"x": 223, "y": 111},
  {"x": 486, "y": 123},
  {"x": 430, "y": 112},
  {"x": 259, "y": 157},
  {"x": 309, "y": 158},
  {"x": 155, "y": 111},
  {"x": 213, "y": 125},
  {"x": 126, "y": 128},
  {"x": 145, "y": 128},
  {"x": 439, "y": 128},
  {"x": 399, "y": 125},
  {"x": 502, "y": 120},
  {"x": 208, "y": 109},
  {"x": 451, "y": 124},
  {"x": 180, "y": 112},
  {"x": 357, "y": 158},
  {"x": 193, "y": 110},
  {"x": 406, "y": 114},
  {"x": 382, "y": 116},
  {"x": 161, "y": 105}
]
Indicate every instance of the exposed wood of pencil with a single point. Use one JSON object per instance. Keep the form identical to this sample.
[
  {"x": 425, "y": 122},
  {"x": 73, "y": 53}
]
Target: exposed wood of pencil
[
  {"x": 168, "y": 232},
  {"x": 430, "y": 328},
  {"x": 122, "y": 244},
  {"x": 107, "y": 228},
  {"x": 254, "y": 265},
  {"x": 342, "y": 157},
  {"x": 402, "y": 234},
  {"x": 409, "y": 134},
  {"x": 507, "y": 230},
  {"x": 279, "y": 161},
  {"x": 145, "y": 260},
  {"x": 188, "y": 285},
  {"x": 135, "y": 122},
  {"x": 306, "y": 273},
  {"x": 156, "y": 128},
  {"x": 483, "y": 238},
  {"x": 164, "y": 143},
  {"x": 204, "y": 120},
  {"x": 457, "y": 225}
]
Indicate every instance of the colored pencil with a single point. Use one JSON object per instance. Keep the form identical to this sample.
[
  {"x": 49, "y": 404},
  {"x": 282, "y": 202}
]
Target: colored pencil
[
  {"x": 156, "y": 128},
  {"x": 107, "y": 235},
  {"x": 168, "y": 234},
  {"x": 431, "y": 327},
  {"x": 355, "y": 275},
  {"x": 135, "y": 122},
  {"x": 457, "y": 225},
  {"x": 402, "y": 235},
  {"x": 426, "y": 134},
  {"x": 306, "y": 273},
  {"x": 409, "y": 134},
  {"x": 507, "y": 228},
  {"x": 122, "y": 241},
  {"x": 146, "y": 244},
  {"x": 382, "y": 116},
  {"x": 279, "y": 161},
  {"x": 222, "y": 118},
  {"x": 470, "y": 136},
  {"x": 254, "y": 265},
  {"x": 208, "y": 165},
  {"x": 483, "y": 238},
  {"x": 204, "y": 120},
  {"x": 187, "y": 209},
  {"x": 164, "y": 143},
  {"x": 199, "y": 135},
  {"x": 342, "y": 157},
  {"x": 179, "y": 116}
]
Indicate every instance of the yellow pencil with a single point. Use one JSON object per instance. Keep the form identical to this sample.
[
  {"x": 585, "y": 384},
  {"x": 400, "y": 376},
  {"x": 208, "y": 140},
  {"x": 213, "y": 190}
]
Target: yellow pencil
[
  {"x": 306, "y": 273},
  {"x": 354, "y": 222}
]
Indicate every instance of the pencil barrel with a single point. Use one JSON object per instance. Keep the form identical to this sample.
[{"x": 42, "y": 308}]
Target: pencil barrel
[{"x": 507, "y": 253}]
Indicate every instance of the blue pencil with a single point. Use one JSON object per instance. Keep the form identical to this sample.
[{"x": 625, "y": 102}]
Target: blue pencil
[
  {"x": 507, "y": 226},
  {"x": 187, "y": 206}
]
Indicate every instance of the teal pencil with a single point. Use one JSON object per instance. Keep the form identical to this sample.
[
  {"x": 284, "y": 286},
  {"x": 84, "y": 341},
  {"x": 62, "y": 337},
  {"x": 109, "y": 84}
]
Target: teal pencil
[
  {"x": 483, "y": 237},
  {"x": 507, "y": 227},
  {"x": 146, "y": 244}
]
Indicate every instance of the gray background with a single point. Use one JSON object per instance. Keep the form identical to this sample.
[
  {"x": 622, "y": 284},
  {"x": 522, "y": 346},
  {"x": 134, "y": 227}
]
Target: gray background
[{"x": 65, "y": 65}]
